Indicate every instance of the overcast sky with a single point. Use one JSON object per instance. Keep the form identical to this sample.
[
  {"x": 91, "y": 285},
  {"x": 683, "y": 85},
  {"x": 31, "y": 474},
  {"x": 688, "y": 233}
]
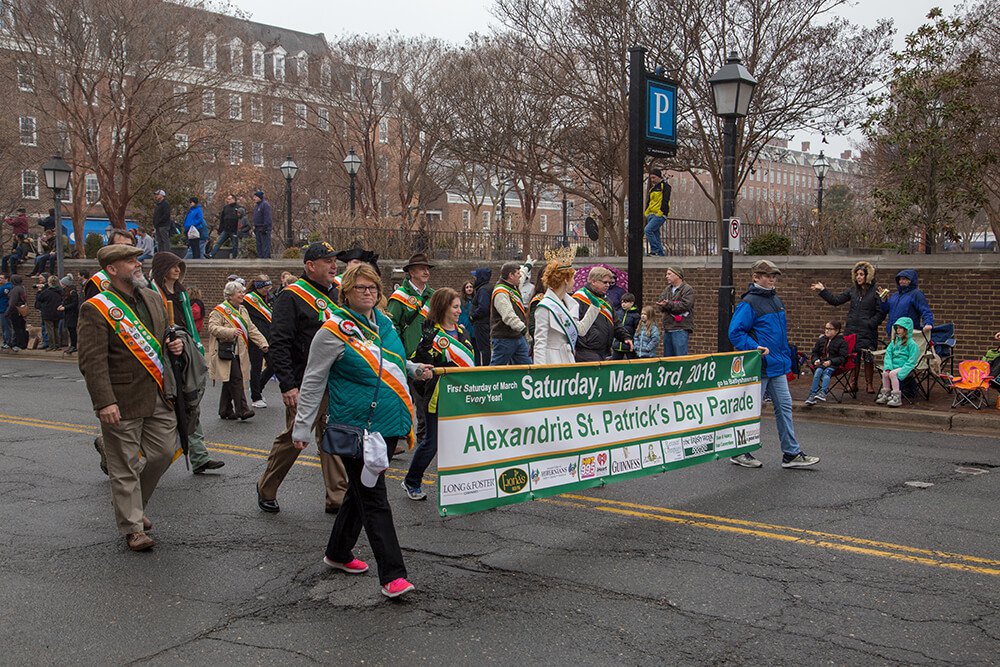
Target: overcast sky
[{"x": 455, "y": 19}]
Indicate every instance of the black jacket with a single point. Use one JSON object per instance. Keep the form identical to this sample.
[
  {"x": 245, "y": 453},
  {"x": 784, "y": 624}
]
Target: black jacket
[
  {"x": 596, "y": 344},
  {"x": 426, "y": 354},
  {"x": 864, "y": 316},
  {"x": 483, "y": 297},
  {"x": 259, "y": 320},
  {"x": 47, "y": 301},
  {"x": 833, "y": 350},
  {"x": 229, "y": 218},
  {"x": 629, "y": 321},
  {"x": 161, "y": 214},
  {"x": 293, "y": 325},
  {"x": 71, "y": 306}
]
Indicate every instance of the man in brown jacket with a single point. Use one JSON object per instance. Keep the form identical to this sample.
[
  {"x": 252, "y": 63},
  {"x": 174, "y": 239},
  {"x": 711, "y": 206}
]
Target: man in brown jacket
[
  {"x": 677, "y": 303},
  {"x": 121, "y": 332}
]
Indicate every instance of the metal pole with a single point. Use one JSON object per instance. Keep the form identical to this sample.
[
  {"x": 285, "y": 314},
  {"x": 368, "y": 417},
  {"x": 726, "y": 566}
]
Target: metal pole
[
  {"x": 353, "y": 195},
  {"x": 636, "y": 110},
  {"x": 288, "y": 209},
  {"x": 819, "y": 205},
  {"x": 726, "y": 291},
  {"x": 59, "y": 234},
  {"x": 565, "y": 204}
]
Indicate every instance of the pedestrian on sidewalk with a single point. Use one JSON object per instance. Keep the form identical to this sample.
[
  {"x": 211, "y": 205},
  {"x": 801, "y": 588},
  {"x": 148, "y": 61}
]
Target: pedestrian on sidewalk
[
  {"x": 901, "y": 357},
  {"x": 480, "y": 313},
  {"x": 71, "y": 311},
  {"x": 48, "y": 302},
  {"x": 759, "y": 324},
  {"x": 828, "y": 354},
  {"x": 195, "y": 230},
  {"x": 677, "y": 304},
  {"x": 229, "y": 221},
  {"x": 262, "y": 225},
  {"x": 163, "y": 226},
  {"x": 17, "y": 313}
]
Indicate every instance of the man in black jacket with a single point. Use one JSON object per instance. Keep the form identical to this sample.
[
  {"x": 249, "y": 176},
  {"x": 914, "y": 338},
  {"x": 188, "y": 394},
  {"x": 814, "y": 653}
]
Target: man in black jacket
[
  {"x": 480, "y": 314},
  {"x": 161, "y": 221},
  {"x": 229, "y": 221},
  {"x": 296, "y": 315},
  {"x": 257, "y": 303}
]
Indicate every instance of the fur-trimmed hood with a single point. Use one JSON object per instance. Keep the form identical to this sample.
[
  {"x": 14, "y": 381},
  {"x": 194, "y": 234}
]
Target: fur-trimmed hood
[{"x": 869, "y": 272}]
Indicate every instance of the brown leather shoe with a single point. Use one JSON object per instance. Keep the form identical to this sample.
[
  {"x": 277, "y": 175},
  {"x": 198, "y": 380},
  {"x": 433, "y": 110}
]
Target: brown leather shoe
[
  {"x": 139, "y": 541},
  {"x": 147, "y": 524}
]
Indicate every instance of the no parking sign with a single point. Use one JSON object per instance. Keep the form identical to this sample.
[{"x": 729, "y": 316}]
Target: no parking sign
[{"x": 735, "y": 227}]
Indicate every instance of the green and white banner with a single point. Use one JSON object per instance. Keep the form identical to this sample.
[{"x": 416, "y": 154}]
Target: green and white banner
[{"x": 510, "y": 434}]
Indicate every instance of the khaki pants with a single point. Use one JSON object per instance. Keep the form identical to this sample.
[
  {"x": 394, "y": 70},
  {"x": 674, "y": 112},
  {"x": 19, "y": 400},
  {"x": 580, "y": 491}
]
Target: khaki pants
[
  {"x": 132, "y": 482},
  {"x": 283, "y": 455}
]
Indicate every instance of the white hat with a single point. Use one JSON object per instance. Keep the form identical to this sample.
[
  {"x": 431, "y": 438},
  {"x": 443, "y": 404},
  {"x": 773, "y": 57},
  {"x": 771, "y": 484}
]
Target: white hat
[{"x": 376, "y": 458}]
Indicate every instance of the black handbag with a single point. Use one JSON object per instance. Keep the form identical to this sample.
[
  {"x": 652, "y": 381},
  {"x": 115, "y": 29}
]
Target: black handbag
[
  {"x": 347, "y": 441},
  {"x": 227, "y": 350}
]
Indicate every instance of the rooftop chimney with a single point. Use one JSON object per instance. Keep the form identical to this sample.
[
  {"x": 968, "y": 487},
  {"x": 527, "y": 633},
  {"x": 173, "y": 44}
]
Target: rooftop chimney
[
  {"x": 805, "y": 146},
  {"x": 846, "y": 155}
]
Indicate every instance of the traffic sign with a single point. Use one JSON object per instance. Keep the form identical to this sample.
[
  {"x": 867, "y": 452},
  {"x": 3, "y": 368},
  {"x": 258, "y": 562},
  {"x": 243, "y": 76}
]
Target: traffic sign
[
  {"x": 661, "y": 116},
  {"x": 735, "y": 227}
]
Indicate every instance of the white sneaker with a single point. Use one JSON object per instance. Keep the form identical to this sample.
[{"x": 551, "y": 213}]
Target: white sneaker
[{"x": 260, "y": 404}]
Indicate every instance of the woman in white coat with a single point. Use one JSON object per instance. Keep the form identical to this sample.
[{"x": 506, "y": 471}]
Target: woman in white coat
[{"x": 557, "y": 317}]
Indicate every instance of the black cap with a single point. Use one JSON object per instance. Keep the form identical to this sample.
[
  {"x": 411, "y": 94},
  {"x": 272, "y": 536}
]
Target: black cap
[
  {"x": 321, "y": 250},
  {"x": 353, "y": 253}
]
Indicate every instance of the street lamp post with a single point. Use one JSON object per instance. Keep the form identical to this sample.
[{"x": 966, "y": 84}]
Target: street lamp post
[
  {"x": 352, "y": 163},
  {"x": 57, "y": 174},
  {"x": 288, "y": 170},
  {"x": 732, "y": 90},
  {"x": 820, "y": 166}
]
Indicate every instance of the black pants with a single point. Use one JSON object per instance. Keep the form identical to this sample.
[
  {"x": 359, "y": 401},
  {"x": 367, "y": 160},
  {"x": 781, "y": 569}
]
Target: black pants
[
  {"x": 367, "y": 508},
  {"x": 233, "y": 399},
  {"x": 71, "y": 328},
  {"x": 20, "y": 330},
  {"x": 617, "y": 355},
  {"x": 259, "y": 375},
  {"x": 482, "y": 342},
  {"x": 163, "y": 239}
]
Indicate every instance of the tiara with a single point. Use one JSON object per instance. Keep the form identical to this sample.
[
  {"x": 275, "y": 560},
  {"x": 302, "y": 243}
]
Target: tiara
[{"x": 564, "y": 256}]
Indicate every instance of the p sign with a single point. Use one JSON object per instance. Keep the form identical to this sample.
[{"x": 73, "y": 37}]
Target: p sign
[
  {"x": 661, "y": 117},
  {"x": 735, "y": 227}
]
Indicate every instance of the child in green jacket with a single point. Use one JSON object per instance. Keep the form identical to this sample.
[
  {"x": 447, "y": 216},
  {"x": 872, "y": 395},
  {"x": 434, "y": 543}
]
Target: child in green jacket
[{"x": 901, "y": 357}]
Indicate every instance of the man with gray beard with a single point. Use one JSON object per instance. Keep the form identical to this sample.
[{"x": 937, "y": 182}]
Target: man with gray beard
[{"x": 122, "y": 362}]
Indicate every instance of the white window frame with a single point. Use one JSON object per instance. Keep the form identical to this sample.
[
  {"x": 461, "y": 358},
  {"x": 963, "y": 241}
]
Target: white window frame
[
  {"x": 543, "y": 223},
  {"x": 302, "y": 68},
  {"x": 28, "y": 129},
  {"x": 25, "y": 77},
  {"x": 62, "y": 86},
  {"x": 182, "y": 52},
  {"x": 210, "y": 52},
  {"x": 278, "y": 64},
  {"x": 324, "y": 119},
  {"x": 257, "y": 61},
  {"x": 257, "y": 153},
  {"x": 383, "y": 131},
  {"x": 466, "y": 219},
  {"x": 181, "y": 91},
  {"x": 510, "y": 222},
  {"x": 91, "y": 189},
  {"x": 277, "y": 113},
  {"x": 325, "y": 74},
  {"x": 235, "y": 106},
  {"x": 301, "y": 116},
  {"x": 235, "y": 151},
  {"x": 208, "y": 103},
  {"x": 236, "y": 55},
  {"x": 256, "y": 110},
  {"x": 486, "y": 221},
  {"x": 211, "y": 188},
  {"x": 181, "y": 140},
  {"x": 29, "y": 179}
]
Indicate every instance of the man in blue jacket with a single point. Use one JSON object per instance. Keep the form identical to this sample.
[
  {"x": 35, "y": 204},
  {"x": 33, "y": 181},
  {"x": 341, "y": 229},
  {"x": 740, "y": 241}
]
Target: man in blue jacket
[
  {"x": 908, "y": 301},
  {"x": 195, "y": 218},
  {"x": 480, "y": 314},
  {"x": 262, "y": 225},
  {"x": 759, "y": 324}
]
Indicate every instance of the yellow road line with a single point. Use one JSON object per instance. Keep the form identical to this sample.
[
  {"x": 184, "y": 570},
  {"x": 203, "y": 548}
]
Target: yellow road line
[{"x": 788, "y": 534}]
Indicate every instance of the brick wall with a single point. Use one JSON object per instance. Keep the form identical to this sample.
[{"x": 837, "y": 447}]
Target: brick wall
[{"x": 963, "y": 289}]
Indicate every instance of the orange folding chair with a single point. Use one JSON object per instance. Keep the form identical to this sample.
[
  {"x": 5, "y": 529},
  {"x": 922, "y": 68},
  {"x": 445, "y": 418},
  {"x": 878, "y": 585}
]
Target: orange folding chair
[{"x": 972, "y": 384}]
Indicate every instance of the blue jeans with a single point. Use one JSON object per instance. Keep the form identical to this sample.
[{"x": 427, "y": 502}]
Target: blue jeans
[
  {"x": 8, "y": 329},
  {"x": 223, "y": 237},
  {"x": 781, "y": 399},
  {"x": 263, "y": 237},
  {"x": 675, "y": 343},
  {"x": 424, "y": 453},
  {"x": 821, "y": 375},
  {"x": 510, "y": 351},
  {"x": 653, "y": 224},
  {"x": 45, "y": 336}
]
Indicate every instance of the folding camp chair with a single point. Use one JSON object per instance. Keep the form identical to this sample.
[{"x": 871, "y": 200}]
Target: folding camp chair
[
  {"x": 943, "y": 341},
  {"x": 918, "y": 383},
  {"x": 972, "y": 385},
  {"x": 842, "y": 376}
]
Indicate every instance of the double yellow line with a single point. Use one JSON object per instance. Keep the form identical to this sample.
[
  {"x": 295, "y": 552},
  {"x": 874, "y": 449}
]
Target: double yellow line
[{"x": 788, "y": 534}]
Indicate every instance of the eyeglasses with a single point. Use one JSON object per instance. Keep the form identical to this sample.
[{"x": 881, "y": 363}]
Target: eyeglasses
[
  {"x": 366, "y": 289},
  {"x": 608, "y": 282}
]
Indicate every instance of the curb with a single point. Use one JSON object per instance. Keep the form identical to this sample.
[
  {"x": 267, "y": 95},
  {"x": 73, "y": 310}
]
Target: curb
[{"x": 986, "y": 422}]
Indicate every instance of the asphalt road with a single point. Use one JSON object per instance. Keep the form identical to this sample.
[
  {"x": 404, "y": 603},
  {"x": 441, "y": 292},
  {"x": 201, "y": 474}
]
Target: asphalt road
[{"x": 843, "y": 564}]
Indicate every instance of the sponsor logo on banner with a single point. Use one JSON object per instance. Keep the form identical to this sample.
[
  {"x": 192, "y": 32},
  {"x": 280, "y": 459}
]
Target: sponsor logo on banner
[
  {"x": 747, "y": 435},
  {"x": 725, "y": 439},
  {"x": 652, "y": 454},
  {"x": 696, "y": 445},
  {"x": 673, "y": 450},
  {"x": 593, "y": 465},
  {"x": 626, "y": 459},
  {"x": 554, "y": 472},
  {"x": 468, "y": 487},
  {"x": 736, "y": 369},
  {"x": 513, "y": 480}
]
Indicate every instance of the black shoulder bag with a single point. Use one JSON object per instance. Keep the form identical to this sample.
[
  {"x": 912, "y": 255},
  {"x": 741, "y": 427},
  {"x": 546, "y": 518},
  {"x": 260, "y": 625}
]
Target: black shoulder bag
[{"x": 347, "y": 441}]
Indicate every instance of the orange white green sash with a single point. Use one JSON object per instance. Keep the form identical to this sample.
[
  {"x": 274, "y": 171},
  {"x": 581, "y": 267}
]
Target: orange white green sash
[
  {"x": 513, "y": 295},
  {"x": 588, "y": 299},
  {"x": 313, "y": 298},
  {"x": 258, "y": 304},
  {"x": 101, "y": 280},
  {"x": 137, "y": 338},
  {"x": 189, "y": 324},
  {"x": 233, "y": 317},
  {"x": 411, "y": 301},
  {"x": 452, "y": 349},
  {"x": 338, "y": 281}
]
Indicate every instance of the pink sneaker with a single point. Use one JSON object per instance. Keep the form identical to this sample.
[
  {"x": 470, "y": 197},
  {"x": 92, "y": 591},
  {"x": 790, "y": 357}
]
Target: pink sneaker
[
  {"x": 397, "y": 587},
  {"x": 354, "y": 567}
]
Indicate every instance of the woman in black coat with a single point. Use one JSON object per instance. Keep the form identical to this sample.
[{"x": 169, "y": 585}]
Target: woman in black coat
[
  {"x": 48, "y": 301},
  {"x": 863, "y": 318},
  {"x": 71, "y": 313}
]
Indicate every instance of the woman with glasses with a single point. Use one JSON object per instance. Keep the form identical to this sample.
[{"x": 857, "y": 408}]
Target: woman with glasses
[
  {"x": 595, "y": 344},
  {"x": 358, "y": 355}
]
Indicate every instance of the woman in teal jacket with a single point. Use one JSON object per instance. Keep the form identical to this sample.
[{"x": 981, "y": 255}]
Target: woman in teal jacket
[
  {"x": 355, "y": 352},
  {"x": 901, "y": 358}
]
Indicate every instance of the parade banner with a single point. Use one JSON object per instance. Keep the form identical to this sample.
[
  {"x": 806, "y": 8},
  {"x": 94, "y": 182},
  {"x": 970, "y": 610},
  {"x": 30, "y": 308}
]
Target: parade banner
[{"x": 511, "y": 434}]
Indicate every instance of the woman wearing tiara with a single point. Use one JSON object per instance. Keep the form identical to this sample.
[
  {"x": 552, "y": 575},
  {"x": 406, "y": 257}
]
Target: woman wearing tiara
[{"x": 557, "y": 317}]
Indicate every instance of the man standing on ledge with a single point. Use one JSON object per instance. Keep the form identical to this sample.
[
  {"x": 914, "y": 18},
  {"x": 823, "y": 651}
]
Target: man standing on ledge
[
  {"x": 123, "y": 364},
  {"x": 759, "y": 324},
  {"x": 297, "y": 314},
  {"x": 508, "y": 319}
]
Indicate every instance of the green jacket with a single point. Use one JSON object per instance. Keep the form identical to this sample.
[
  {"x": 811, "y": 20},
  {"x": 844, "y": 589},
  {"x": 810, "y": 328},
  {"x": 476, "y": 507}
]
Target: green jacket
[
  {"x": 408, "y": 310},
  {"x": 903, "y": 356}
]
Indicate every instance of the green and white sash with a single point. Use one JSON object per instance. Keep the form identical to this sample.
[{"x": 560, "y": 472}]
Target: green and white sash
[
  {"x": 562, "y": 317},
  {"x": 452, "y": 349},
  {"x": 588, "y": 298},
  {"x": 234, "y": 318},
  {"x": 313, "y": 298},
  {"x": 137, "y": 338}
]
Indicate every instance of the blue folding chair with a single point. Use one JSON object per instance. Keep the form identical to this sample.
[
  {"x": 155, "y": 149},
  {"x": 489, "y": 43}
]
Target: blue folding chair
[{"x": 943, "y": 340}]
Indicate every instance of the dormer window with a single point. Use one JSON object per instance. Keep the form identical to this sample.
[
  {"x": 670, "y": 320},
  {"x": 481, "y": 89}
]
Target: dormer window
[
  {"x": 209, "y": 52},
  {"x": 236, "y": 56},
  {"x": 302, "y": 67},
  {"x": 258, "y": 61},
  {"x": 278, "y": 64}
]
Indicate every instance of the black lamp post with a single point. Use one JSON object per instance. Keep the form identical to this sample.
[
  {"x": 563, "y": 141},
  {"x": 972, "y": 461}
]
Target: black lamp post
[
  {"x": 732, "y": 90},
  {"x": 57, "y": 174},
  {"x": 352, "y": 163},
  {"x": 288, "y": 170},
  {"x": 820, "y": 166}
]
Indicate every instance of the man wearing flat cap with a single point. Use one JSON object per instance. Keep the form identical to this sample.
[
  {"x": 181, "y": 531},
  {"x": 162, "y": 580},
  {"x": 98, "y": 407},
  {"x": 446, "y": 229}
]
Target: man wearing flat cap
[
  {"x": 297, "y": 314},
  {"x": 759, "y": 324},
  {"x": 123, "y": 361},
  {"x": 677, "y": 304},
  {"x": 353, "y": 257}
]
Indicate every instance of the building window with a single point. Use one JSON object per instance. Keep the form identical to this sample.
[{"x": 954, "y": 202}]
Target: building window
[
  {"x": 324, "y": 119},
  {"x": 29, "y": 131},
  {"x": 343, "y": 128},
  {"x": 325, "y": 74},
  {"x": 277, "y": 114},
  {"x": 29, "y": 184},
  {"x": 182, "y": 142},
  {"x": 236, "y": 56},
  {"x": 543, "y": 223},
  {"x": 258, "y": 61},
  {"x": 235, "y": 107},
  {"x": 180, "y": 92},
  {"x": 486, "y": 221},
  {"x": 211, "y": 187},
  {"x": 257, "y": 153},
  {"x": 92, "y": 189},
  {"x": 466, "y": 219},
  {"x": 181, "y": 54},
  {"x": 25, "y": 78},
  {"x": 383, "y": 131},
  {"x": 302, "y": 67},
  {"x": 256, "y": 110},
  {"x": 301, "y": 115},
  {"x": 279, "y": 65},
  {"x": 235, "y": 151},
  {"x": 62, "y": 86},
  {"x": 208, "y": 103},
  {"x": 62, "y": 128},
  {"x": 209, "y": 52},
  {"x": 510, "y": 222}
]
